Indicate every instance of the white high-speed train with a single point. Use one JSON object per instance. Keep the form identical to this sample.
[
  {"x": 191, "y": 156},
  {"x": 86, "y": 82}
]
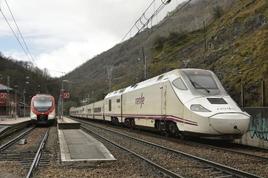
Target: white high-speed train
[{"x": 182, "y": 101}]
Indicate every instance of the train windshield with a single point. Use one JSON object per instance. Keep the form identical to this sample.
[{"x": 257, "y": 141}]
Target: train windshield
[
  {"x": 204, "y": 82},
  {"x": 42, "y": 103}
]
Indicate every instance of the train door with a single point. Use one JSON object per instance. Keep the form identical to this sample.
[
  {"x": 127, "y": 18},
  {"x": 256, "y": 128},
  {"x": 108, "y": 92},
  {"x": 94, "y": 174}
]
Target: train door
[
  {"x": 163, "y": 89},
  {"x": 102, "y": 110},
  {"x": 121, "y": 108},
  {"x": 110, "y": 105},
  {"x": 163, "y": 96},
  {"x": 93, "y": 116}
]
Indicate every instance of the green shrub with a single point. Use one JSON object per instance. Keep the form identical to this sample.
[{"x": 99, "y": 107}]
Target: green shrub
[{"x": 217, "y": 12}]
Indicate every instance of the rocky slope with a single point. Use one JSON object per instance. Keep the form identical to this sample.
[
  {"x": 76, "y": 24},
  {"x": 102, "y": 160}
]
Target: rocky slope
[{"x": 226, "y": 36}]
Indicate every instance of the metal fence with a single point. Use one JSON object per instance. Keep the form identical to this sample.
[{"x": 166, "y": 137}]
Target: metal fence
[
  {"x": 254, "y": 93},
  {"x": 258, "y": 127}
]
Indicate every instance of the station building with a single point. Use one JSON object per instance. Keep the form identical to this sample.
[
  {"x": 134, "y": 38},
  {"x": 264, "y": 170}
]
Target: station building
[{"x": 10, "y": 106}]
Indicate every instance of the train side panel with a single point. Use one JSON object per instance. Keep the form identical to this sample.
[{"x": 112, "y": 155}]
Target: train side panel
[
  {"x": 144, "y": 105},
  {"x": 98, "y": 110},
  {"x": 89, "y": 111},
  {"x": 174, "y": 107},
  {"x": 112, "y": 108}
]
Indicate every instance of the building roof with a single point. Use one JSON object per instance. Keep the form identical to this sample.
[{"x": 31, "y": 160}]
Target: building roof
[{"x": 4, "y": 88}]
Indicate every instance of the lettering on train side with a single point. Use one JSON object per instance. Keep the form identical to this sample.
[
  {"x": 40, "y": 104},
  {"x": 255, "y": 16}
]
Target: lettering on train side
[{"x": 140, "y": 100}]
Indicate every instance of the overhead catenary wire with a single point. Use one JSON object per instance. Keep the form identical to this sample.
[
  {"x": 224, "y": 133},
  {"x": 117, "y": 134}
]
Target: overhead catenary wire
[
  {"x": 151, "y": 17},
  {"x": 177, "y": 10},
  {"x": 24, "y": 47},
  {"x": 20, "y": 33},
  {"x": 135, "y": 24},
  {"x": 143, "y": 20},
  {"x": 14, "y": 33}
]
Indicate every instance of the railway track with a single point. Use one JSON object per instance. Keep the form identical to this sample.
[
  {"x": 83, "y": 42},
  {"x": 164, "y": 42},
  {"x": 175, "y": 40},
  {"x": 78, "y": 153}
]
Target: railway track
[
  {"x": 155, "y": 165},
  {"x": 247, "y": 152},
  {"x": 15, "y": 139},
  {"x": 25, "y": 158},
  {"x": 255, "y": 153},
  {"x": 38, "y": 155},
  {"x": 204, "y": 166},
  {"x": 29, "y": 159},
  {"x": 12, "y": 130}
]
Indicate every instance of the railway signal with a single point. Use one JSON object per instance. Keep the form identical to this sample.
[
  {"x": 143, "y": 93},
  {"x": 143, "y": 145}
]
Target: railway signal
[
  {"x": 3, "y": 97},
  {"x": 66, "y": 95}
]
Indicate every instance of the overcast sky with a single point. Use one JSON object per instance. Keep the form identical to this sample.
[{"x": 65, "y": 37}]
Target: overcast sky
[{"x": 63, "y": 34}]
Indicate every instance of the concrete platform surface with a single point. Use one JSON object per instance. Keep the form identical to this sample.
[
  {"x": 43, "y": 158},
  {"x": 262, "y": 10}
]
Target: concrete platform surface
[
  {"x": 14, "y": 121},
  {"x": 67, "y": 120},
  {"x": 66, "y": 123},
  {"x": 76, "y": 145}
]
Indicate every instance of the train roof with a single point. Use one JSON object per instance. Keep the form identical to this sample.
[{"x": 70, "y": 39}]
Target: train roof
[
  {"x": 42, "y": 95},
  {"x": 171, "y": 75}
]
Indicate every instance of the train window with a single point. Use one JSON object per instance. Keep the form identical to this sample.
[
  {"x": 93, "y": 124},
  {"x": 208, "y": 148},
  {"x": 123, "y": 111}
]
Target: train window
[
  {"x": 122, "y": 90},
  {"x": 42, "y": 102},
  {"x": 89, "y": 110},
  {"x": 97, "y": 109},
  {"x": 160, "y": 77},
  {"x": 202, "y": 80},
  {"x": 178, "y": 83},
  {"x": 110, "y": 105},
  {"x": 133, "y": 86},
  {"x": 118, "y": 100}
]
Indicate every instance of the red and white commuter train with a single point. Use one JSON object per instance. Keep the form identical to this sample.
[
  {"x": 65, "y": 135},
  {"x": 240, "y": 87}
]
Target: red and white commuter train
[
  {"x": 43, "y": 109},
  {"x": 184, "y": 101}
]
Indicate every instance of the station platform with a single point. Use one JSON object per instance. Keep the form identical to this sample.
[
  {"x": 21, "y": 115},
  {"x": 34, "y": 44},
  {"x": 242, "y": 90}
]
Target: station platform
[
  {"x": 13, "y": 121},
  {"x": 8, "y": 125},
  {"x": 77, "y": 145},
  {"x": 66, "y": 123}
]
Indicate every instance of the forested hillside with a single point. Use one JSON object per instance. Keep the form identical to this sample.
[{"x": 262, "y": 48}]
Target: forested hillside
[
  {"x": 229, "y": 37},
  {"x": 23, "y": 75}
]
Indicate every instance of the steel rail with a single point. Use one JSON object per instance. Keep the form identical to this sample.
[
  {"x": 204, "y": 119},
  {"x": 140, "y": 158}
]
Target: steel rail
[
  {"x": 14, "y": 140},
  {"x": 37, "y": 155},
  {"x": 192, "y": 143},
  {"x": 221, "y": 167},
  {"x": 233, "y": 151},
  {"x": 12, "y": 129},
  {"x": 157, "y": 166},
  {"x": 207, "y": 145}
]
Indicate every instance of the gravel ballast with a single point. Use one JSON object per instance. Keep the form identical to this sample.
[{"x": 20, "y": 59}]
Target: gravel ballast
[
  {"x": 239, "y": 161},
  {"x": 126, "y": 164}
]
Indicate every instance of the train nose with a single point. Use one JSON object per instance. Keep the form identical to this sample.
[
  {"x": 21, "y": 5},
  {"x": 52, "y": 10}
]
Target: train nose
[{"x": 229, "y": 123}]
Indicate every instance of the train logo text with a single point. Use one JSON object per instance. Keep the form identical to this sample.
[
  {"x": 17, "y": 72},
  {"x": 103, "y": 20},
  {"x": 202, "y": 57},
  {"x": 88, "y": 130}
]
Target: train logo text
[{"x": 140, "y": 100}]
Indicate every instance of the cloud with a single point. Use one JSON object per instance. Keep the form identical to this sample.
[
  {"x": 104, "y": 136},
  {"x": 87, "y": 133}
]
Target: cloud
[
  {"x": 63, "y": 34},
  {"x": 74, "y": 54}
]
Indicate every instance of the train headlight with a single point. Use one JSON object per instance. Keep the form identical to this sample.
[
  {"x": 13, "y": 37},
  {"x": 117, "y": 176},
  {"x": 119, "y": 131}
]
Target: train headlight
[{"x": 199, "y": 108}]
